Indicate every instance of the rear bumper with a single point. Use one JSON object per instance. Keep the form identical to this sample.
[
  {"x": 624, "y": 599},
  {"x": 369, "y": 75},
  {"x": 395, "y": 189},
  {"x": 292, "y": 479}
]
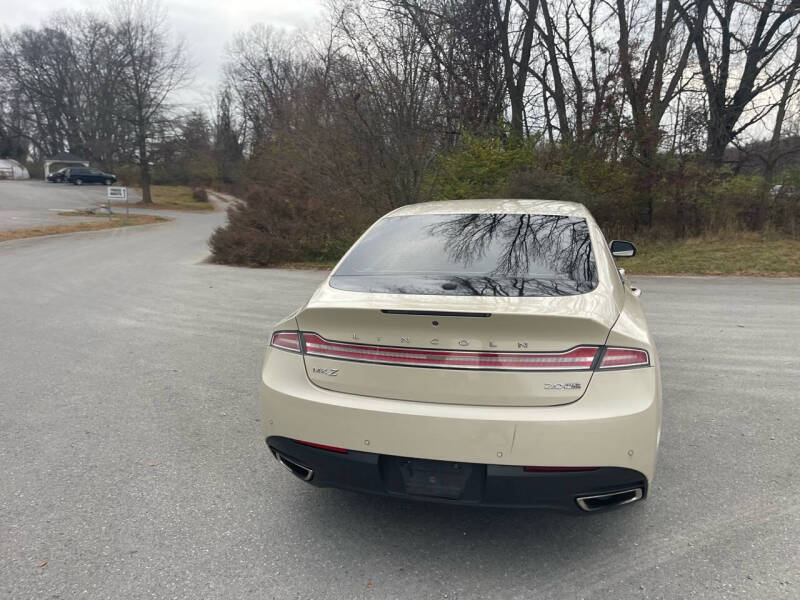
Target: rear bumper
[
  {"x": 615, "y": 426},
  {"x": 486, "y": 485}
]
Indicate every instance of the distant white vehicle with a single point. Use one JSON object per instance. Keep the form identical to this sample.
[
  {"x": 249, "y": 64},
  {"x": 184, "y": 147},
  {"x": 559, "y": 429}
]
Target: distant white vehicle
[
  {"x": 11, "y": 169},
  {"x": 782, "y": 190}
]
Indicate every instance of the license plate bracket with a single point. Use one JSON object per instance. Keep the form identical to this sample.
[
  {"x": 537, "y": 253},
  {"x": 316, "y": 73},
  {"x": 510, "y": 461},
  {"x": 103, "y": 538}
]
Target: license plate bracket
[{"x": 439, "y": 479}]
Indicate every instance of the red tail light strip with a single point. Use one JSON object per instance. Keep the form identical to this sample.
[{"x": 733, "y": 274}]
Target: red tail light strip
[
  {"x": 580, "y": 358},
  {"x": 619, "y": 358},
  {"x": 286, "y": 340}
]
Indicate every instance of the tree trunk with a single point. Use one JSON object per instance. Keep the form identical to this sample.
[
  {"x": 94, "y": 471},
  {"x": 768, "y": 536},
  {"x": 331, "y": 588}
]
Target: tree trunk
[
  {"x": 559, "y": 94},
  {"x": 144, "y": 171},
  {"x": 515, "y": 82},
  {"x": 646, "y": 178},
  {"x": 719, "y": 136},
  {"x": 517, "y": 115}
]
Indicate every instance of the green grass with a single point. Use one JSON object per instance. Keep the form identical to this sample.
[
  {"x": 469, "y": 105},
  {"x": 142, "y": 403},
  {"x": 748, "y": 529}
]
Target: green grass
[
  {"x": 744, "y": 254},
  {"x": 172, "y": 197}
]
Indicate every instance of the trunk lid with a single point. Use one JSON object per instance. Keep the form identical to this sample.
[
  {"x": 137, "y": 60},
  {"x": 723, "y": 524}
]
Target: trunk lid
[{"x": 466, "y": 325}]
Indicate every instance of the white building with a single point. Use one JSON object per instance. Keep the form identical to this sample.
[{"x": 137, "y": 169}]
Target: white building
[{"x": 11, "y": 169}]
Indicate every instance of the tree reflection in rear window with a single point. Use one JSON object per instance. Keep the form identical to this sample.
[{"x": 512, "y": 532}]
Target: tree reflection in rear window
[{"x": 472, "y": 255}]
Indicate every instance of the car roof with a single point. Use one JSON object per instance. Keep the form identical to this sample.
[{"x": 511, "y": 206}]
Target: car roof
[{"x": 494, "y": 206}]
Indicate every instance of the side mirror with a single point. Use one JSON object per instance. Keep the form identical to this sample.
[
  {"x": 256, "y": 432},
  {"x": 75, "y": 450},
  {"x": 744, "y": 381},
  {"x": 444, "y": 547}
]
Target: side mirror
[{"x": 622, "y": 249}]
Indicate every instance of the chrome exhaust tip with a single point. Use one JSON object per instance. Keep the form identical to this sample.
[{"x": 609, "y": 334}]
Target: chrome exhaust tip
[
  {"x": 601, "y": 501},
  {"x": 295, "y": 468}
]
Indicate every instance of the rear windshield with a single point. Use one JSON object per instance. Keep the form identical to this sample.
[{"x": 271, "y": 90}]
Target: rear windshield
[{"x": 472, "y": 255}]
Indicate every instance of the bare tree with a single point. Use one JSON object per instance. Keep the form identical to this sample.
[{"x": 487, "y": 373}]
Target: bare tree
[
  {"x": 737, "y": 42},
  {"x": 37, "y": 68},
  {"x": 386, "y": 75},
  {"x": 154, "y": 67},
  {"x": 790, "y": 87},
  {"x": 579, "y": 73},
  {"x": 651, "y": 82},
  {"x": 516, "y": 41},
  {"x": 655, "y": 79},
  {"x": 462, "y": 38},
  {"x": 265, "y": 67},
  {"x": 548, "y": 36},
  {"x": 60, "y": 82}
]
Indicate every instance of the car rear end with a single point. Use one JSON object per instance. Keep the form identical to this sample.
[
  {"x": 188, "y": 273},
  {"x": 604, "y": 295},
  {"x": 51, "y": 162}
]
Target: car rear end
[{"x": 463, "y": 354}]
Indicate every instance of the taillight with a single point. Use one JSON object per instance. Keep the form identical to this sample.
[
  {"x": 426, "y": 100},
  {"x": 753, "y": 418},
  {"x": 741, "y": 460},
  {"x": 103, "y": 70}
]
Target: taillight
[
  {"x": 622, "y": 358},
  {"x": 580, "y": 358},
  {"x": 286, "y": 340}
]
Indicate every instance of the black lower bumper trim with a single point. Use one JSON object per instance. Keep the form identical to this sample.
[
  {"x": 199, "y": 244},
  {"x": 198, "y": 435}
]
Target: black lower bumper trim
[{"x": 456, "y": 483}]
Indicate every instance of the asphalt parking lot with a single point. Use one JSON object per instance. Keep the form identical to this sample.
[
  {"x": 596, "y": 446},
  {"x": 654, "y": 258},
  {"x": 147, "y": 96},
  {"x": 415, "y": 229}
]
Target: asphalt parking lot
[
  {"x": 36, "y": 203},
  {"x": 133, "y": 464}
]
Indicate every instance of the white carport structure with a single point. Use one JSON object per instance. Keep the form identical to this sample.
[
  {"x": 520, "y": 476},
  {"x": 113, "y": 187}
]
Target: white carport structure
[
  {"x": 11, "y": 169},
  {"x": 65, "y": 158}
]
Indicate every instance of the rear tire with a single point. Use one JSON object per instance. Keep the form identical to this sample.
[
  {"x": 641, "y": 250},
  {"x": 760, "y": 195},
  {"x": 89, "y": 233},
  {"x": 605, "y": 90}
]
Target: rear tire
[
  {"x": 108, "y": 182},
  {"x": 78, "y": 182}
]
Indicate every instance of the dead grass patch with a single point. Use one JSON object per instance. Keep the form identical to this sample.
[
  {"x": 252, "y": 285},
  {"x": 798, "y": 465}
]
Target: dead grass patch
[
  {"x": 172, "y": 197},
  {"x": 96, "y": 225},
  {"x": 743, "y": 254},
  {"x": 308, "y": 266}
]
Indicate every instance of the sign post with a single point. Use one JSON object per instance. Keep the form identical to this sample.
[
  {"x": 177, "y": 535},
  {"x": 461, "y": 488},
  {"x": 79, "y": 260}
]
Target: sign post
[{"x": 118, "y": 193}]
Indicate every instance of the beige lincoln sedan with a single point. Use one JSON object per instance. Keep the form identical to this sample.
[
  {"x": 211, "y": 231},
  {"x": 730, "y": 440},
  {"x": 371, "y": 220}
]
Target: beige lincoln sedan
[{"x": 471, "y": 352}]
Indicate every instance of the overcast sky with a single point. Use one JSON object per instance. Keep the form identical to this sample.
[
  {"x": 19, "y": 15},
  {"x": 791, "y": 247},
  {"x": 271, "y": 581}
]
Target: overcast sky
[{"x": 206, "y": 25}]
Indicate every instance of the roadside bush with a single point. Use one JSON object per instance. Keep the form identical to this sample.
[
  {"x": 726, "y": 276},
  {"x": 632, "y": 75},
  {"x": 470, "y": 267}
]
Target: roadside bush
[
  {"x": 480, "y": 168},
  {"x": 699, "y": 200},
  {"x": 739, "y": 203},
  {"x": 310, "y": 196},
  {"x": 786, "y": 203},
  {"x": 200, "y": 195},
  {"x": 313, "y": 191},
  {"x": 267, "y": 230},
  {"x": 685, "y": 196},
  {"x": 258, "y": 233},
  {"x": 487, "y": 168}
]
